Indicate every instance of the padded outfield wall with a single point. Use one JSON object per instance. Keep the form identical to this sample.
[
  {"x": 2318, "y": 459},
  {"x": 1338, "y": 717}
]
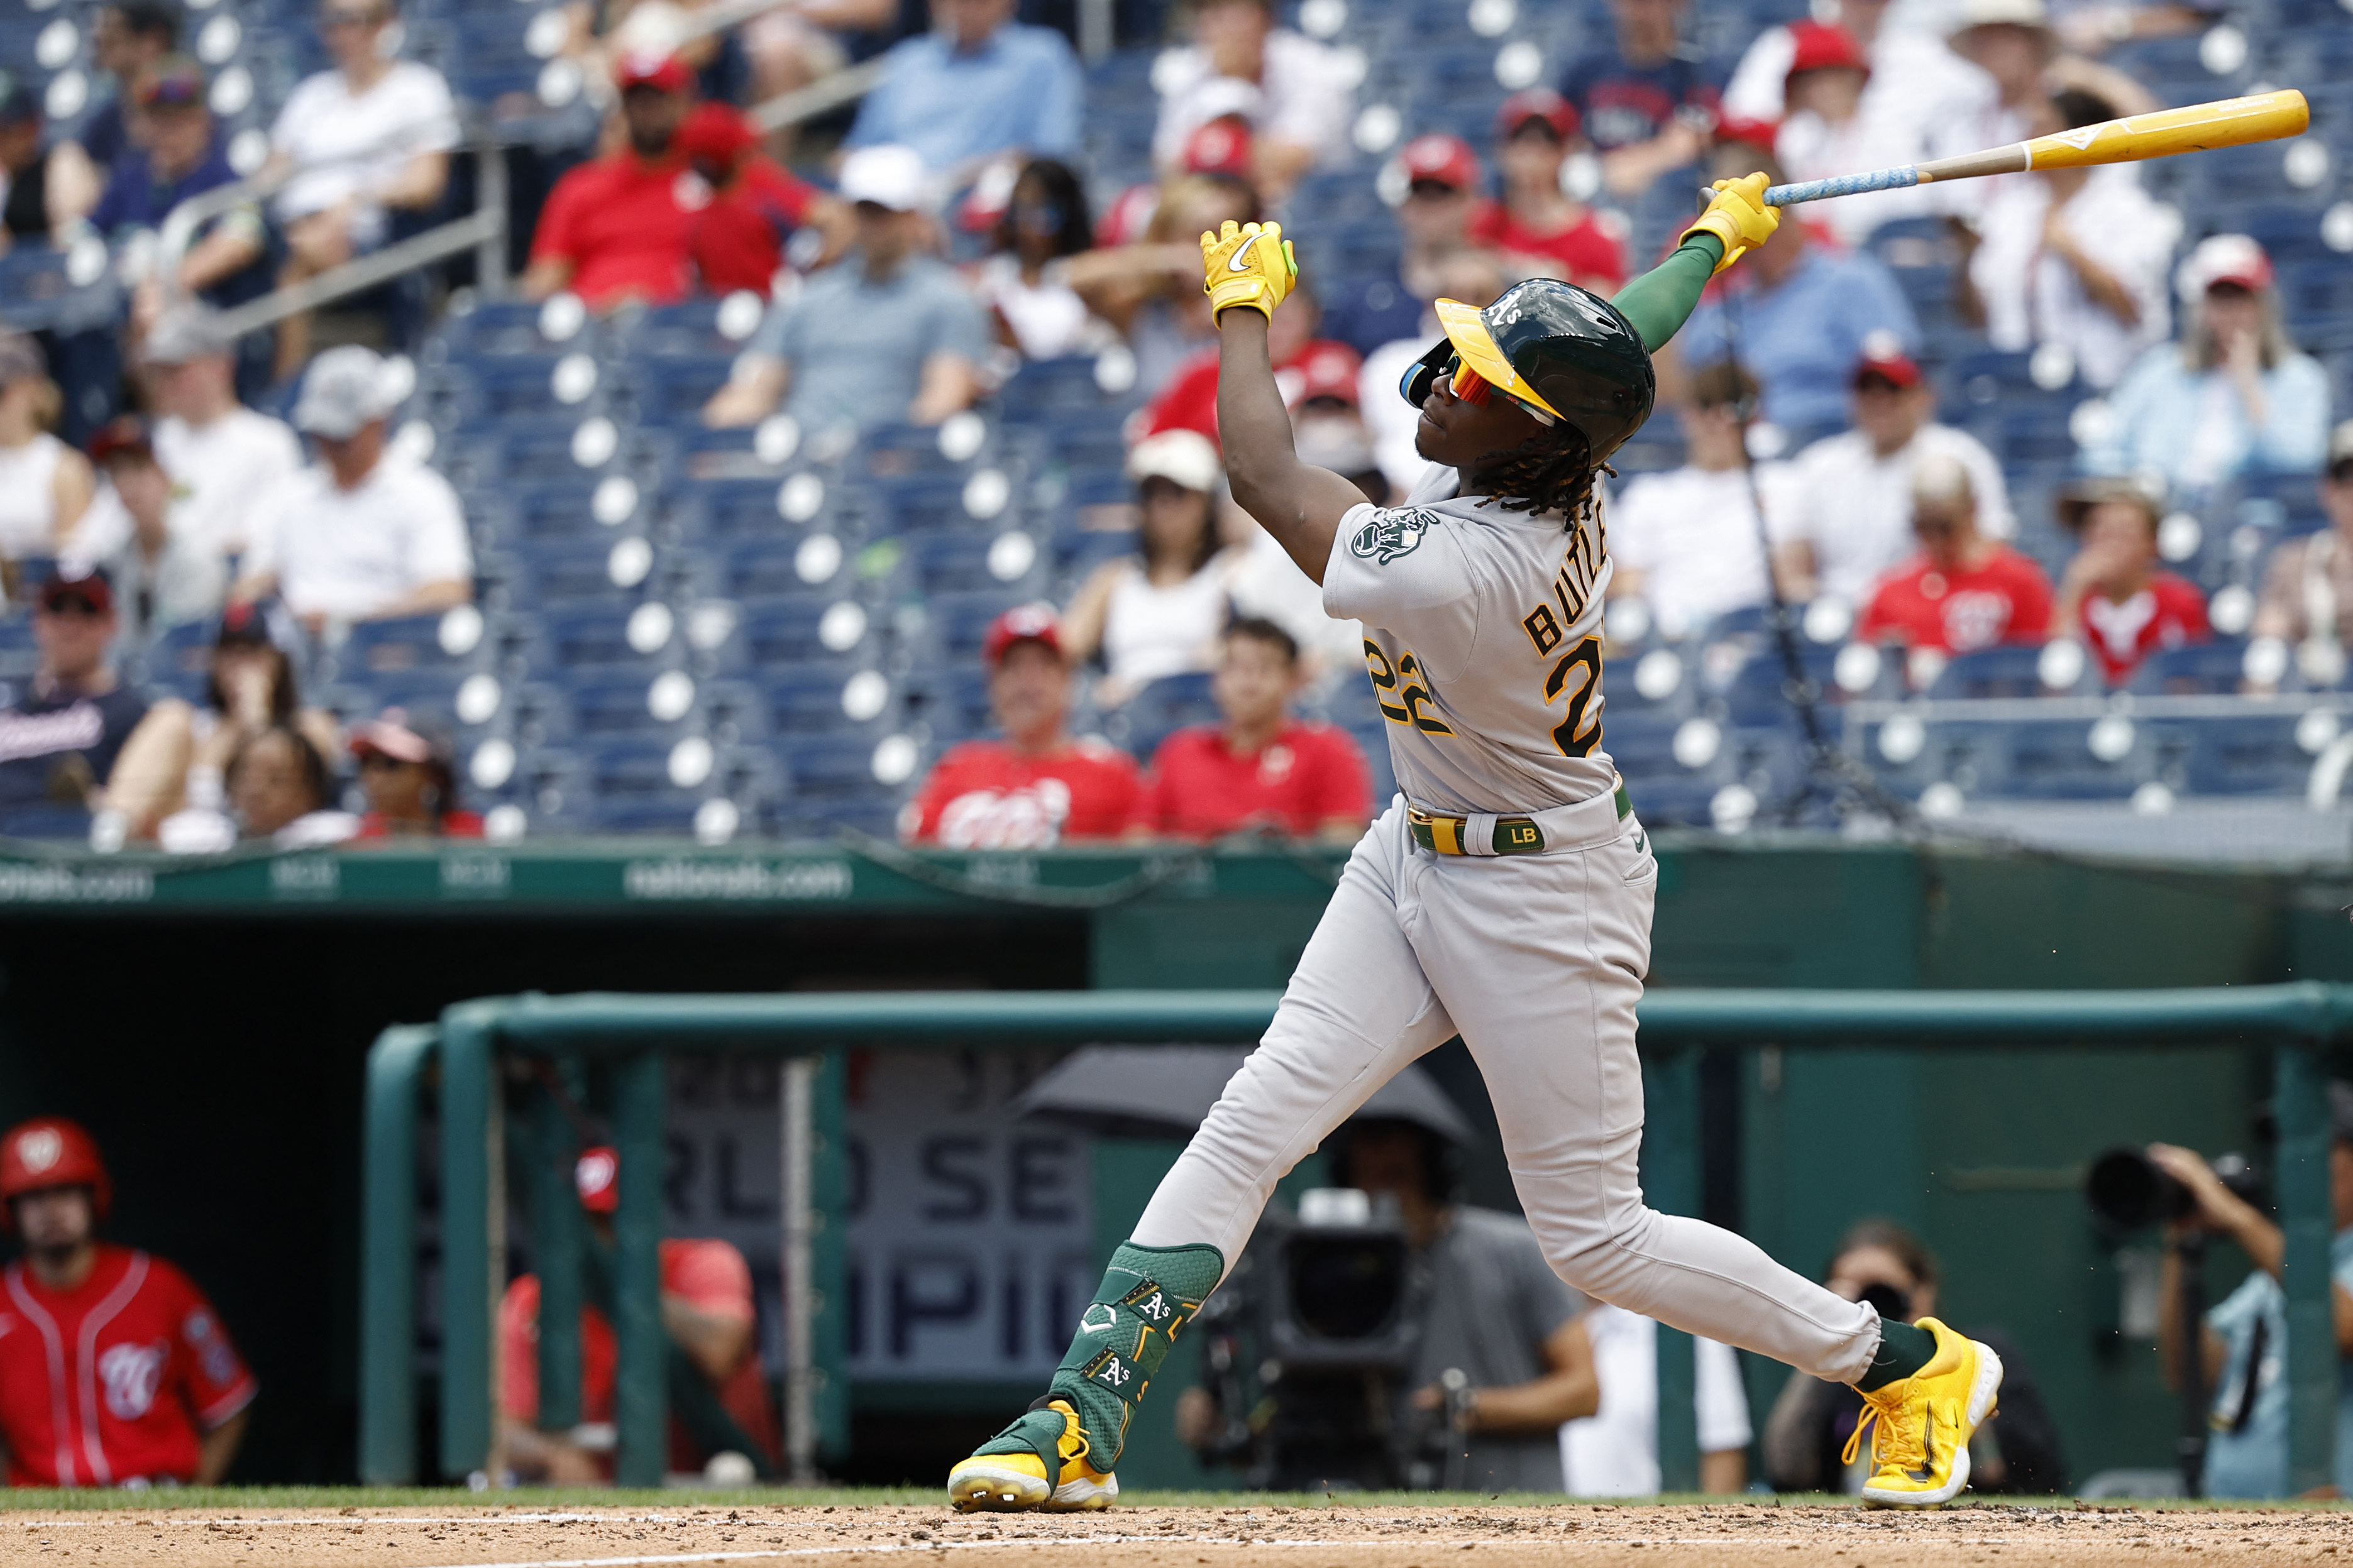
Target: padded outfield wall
[{"x": 209, "y": 1023}]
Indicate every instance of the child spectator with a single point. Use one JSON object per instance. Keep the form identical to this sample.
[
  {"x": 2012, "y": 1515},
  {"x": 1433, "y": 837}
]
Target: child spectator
[
  {"x": 410, "y": 776},
  {"x": 1026, "y": 280},
  {"x": 2308, "y": 586},
  {"x": 889, "y": 335},
  {"x": 720, "y": 1405},
  {"x": 179, "y": 754},
  {"x": 1648, "y": 99},
  {"x": 1537, "y": 223},
  {"x": 279, "y": 788},
  {"x": 1849, "y": 516},
  {"x": 1260, "y": 769},
  {"x": 1036, "y": 787},
  {"x": 45, "y": 485},
  {"x": 91, "y": 1315},
  {"x": 365, "y": 534},
  {"x": 1687, "y": 542},
  {"x": 2233, "y": 396},
  {"x": 2075, "y": 257},
  {"x": 367, "y": 139},
  {"x": 1800, "y": 318},
  {"x": 2112, "y": 597},
  {"x": 1299, "y": 111},
  {"x": 737, "y": 241},
  {"x": 976, "y": 87},
  {"x": 59, "y": 739},
  {"x": 163, "y": 577},
  {"x": 1963, "y": 591},
  {"x": 1159, "y": 611}
]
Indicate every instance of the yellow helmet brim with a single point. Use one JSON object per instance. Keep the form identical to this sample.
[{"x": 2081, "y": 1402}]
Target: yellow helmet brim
[{"x": 1466, "y": 328}]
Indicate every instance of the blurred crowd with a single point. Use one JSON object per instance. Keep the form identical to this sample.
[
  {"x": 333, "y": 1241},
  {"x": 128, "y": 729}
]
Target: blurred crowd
[{"x": 177, "y": 462}]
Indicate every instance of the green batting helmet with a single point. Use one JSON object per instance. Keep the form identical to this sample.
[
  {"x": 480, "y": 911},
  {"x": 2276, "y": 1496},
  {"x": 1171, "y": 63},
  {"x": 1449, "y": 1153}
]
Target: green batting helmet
[{"x": 1558, "y": 349}]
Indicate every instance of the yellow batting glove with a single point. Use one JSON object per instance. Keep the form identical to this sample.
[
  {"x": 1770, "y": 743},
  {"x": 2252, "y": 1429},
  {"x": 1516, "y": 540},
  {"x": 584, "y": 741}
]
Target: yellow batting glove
[
  {"x": 1738, "y": 216},
  {"x": 1247, "y": 264}
]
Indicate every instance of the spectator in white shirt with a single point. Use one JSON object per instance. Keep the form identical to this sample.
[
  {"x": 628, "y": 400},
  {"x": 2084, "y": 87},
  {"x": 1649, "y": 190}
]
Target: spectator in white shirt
[
  {"x": 224, "y": 459},
  {"x": 45, "y": 485},
  {"x": 1686, "y": 542},
  {"x": 1918, "y": 89},
  {"x": 2076, "y": 256},
  {"x": 160, "y": 576},
  {"x": 364, "y": 534},
  {"x": 1850, "y": 513},
  {"x": 1301, "y": 113},
  {"x": 1836, "y": 125},
  {"x": 1614, "y": 1452},
  {"x": 2014, "y": 42},
  {"x": 369, "y": 136}
]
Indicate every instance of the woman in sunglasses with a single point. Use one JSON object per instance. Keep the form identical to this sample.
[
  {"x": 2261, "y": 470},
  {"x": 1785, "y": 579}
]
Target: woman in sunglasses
[{"x": 1505, "y": 896}]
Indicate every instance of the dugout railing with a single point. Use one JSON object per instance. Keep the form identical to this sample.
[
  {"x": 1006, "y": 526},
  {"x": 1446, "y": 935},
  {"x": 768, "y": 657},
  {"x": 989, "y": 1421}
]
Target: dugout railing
[{"x": 632, "y": 1034}]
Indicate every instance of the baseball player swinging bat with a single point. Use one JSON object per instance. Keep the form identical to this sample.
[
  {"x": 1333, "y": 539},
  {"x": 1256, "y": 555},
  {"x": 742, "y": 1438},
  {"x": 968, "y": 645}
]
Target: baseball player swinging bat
[{"x": 2201, "y": 127}]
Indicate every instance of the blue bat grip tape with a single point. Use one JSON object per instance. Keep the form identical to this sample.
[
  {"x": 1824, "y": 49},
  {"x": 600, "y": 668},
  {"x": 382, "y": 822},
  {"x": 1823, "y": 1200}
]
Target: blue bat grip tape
[{"x": 1843, "y": 186}]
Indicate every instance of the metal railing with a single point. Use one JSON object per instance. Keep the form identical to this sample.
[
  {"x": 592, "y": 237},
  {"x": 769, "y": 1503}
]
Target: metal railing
[{"x": 2296, "y": 1020}]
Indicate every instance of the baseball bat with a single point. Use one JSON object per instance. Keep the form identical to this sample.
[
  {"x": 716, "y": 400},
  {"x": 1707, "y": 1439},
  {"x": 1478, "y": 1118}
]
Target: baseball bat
[{"x": 2226, "y": 122}]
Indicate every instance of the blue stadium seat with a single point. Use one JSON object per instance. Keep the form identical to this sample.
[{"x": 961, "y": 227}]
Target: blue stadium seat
[
  {"x": 600, "y": 639},
  {"x": 2254, "y": 754},
  {"x": 973, "y": 563},
  {"x": 830, "y": 698},
  {"x": 1159, "y": 709},
  {"x": 176, "y": 662},
  {"x": 952, "y": 702},
  {"x": 2052, "y": 760},
  {"x": 372, "y": 649},
  {"x": 671, "y": 392},
  {"x": 834, "y": 781},
  {"x": 2199, "y": 668},
  {"x": 2013, "y": 670},
  {"x": 789, "y": 631},
  {"x": 622, "y": 708}
]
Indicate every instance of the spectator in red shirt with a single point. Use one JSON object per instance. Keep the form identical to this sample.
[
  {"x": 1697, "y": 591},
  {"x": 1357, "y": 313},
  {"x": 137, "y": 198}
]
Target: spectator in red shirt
[
  {"x": 2112, "y": 597},
  {"x": 616, "y": 228},
  {"x": 707, "y": 1312},
  {"x": 1037, "y": 787},
  {"x": 114, "y": 1370},
  {"x": 410, "y": 775},
  {"x": 1538, "y": 222},
  {"x": 737, "y": 241},
  {"x": 1261, "y": 770},
  {"x": 1963, "y": 591}
]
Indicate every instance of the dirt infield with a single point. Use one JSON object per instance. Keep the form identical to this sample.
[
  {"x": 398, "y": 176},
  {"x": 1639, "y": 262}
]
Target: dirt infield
[{"x": 1744, "y": 1533}]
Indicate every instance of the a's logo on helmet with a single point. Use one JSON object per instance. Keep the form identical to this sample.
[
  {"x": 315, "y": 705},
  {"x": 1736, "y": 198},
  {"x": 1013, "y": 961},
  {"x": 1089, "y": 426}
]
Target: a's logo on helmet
[
  {"x": 1391, "y": 535},
  {"x": 38, "y": 1150}
]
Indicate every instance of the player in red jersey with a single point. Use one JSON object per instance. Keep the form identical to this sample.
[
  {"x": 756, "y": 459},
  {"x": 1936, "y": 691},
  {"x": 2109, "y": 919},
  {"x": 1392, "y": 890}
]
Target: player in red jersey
[
  {"x": 114, "y": 1370},
  {"x": 1037, "y": 787},
  {"x": 1261, "y": 768}
]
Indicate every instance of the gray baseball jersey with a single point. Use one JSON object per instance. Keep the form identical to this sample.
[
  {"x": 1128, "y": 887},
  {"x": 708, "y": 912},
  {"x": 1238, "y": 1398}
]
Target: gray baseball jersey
[{"x": 1483, "y": 636}]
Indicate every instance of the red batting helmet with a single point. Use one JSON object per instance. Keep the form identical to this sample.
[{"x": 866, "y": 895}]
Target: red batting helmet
[{"x": 50, "y": 1152}]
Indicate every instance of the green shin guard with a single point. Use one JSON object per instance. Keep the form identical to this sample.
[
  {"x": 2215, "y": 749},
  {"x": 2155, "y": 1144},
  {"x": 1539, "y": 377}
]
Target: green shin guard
[{"x": 1147, "y": 1296}]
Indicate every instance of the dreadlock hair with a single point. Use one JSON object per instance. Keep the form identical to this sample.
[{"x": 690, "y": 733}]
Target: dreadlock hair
[{"x": 1552, "y": 470}]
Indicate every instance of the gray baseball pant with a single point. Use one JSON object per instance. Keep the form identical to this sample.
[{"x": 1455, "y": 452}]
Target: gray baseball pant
[{"x": 1536, "y": 961}]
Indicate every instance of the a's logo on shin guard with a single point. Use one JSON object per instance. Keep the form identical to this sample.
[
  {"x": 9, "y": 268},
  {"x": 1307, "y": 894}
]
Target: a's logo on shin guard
[
  {"x": 1111, "y": 1372},
  {"x": 1150, "y": 1302}
]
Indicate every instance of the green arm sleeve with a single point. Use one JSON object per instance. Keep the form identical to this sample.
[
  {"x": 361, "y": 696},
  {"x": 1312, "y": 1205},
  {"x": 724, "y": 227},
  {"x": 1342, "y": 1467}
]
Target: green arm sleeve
[{"x": 1661, "y": 300}]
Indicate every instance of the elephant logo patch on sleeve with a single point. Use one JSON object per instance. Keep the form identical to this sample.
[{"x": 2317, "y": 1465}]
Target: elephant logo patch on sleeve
[{"x": 1387, "y": 535}]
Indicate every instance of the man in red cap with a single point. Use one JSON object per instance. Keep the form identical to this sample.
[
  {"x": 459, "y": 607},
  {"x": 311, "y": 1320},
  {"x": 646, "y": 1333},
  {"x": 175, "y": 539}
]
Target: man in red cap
[
  {"x": 707, "y": 1312},
  {"x": 1848, "y": 516},
  {"x": 1037, "y": 786},
  {"x": 1433, "y": 183},
  {"x": 616, "y": 228},
  {"x": 59, "y": 739},
  {"x": 1538, "y": 222},
  {"x": 114, "y": 1370}
]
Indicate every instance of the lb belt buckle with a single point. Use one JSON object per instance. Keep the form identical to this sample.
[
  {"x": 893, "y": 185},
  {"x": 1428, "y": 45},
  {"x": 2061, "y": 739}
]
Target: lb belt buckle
[{"x": 1443, "y": 835}]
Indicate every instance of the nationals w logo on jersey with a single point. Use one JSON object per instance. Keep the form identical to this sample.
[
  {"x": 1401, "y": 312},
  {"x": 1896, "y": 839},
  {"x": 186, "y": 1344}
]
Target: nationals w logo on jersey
[
  {"x": 1391, "y": 535},
  {"x": 132, "y": 1374}
]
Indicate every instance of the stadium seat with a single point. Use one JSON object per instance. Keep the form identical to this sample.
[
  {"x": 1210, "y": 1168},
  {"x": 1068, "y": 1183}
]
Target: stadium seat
[
  {"x": 2199, "y": 668},
  {"x": 2256, "y": 753}
]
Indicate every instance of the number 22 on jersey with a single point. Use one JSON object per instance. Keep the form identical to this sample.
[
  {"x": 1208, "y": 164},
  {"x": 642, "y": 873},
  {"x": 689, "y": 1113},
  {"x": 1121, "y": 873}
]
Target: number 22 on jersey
[{"x": 1401, "y": 691}]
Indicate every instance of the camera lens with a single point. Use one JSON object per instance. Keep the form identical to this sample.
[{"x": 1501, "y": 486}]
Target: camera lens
[{"x": 2128, "y": 1191}]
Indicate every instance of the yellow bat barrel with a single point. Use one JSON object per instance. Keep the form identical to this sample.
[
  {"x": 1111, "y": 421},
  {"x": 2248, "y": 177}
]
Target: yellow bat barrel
[{"x": 2228, "y": 122}]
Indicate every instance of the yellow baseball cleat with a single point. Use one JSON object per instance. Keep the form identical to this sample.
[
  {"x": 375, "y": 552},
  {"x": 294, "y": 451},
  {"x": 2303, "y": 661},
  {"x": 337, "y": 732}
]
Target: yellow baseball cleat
[
  {"x": 1920, "y": 1451},
  {"x": 1016, "y": 1479}
]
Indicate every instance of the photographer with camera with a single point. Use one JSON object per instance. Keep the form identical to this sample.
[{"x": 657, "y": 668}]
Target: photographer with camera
[
  {"x": 1490, "y": 1358},
  {"x": 1809, "y": 1444},
  {"x": 2244, "y": 1339}
]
